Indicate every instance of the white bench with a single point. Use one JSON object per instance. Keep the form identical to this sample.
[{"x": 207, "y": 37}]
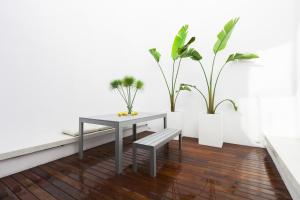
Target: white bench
[
  {"x": 152, "y": 143},
  {"x": 285, "y": 154}
]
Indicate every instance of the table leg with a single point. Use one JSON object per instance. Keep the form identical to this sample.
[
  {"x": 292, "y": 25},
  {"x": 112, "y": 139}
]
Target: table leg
[
  {"x": 80, "y": 146},
  {"x": 134, "y": 132},
  {"x": 119, "y": 149}
]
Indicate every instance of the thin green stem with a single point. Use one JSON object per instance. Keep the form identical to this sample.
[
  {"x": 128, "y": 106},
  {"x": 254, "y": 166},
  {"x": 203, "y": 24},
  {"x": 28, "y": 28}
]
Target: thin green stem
[
  {"x": 134, "y": 96},
  {"x": 127, "y": 91},
  {"x": 121, "y": 93},
  {"x": 205, "y": 75},
  {"x": 122, "y": 89},
  {"x": 212, "y": 70},
  {"x": 210, "y": 92},
  {"x": 176, "y": 96},
  {"x": 165, "y": 79},
  {"x": 129, "y": 95},
  {"x": 178, "y": 67},
  {"x": 231, "y": 101},
  {"x": 122, "y": 96},
  {"x": 192, "y": 86},
  {"x": 173, "y": 69},
  {"x": 215, "y": 86}
]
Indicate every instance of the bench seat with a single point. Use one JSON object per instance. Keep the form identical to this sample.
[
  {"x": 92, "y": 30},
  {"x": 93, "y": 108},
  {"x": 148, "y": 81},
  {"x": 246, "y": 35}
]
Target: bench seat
[{"x": 152, "y": 143}]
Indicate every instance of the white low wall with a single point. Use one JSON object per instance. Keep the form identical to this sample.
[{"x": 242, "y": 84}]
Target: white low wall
[
  {"x": 285, "y": 155},
  {"x": 16, "y": 164}
]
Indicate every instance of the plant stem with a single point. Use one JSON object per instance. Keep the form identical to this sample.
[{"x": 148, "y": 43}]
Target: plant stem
[
  {"x": 172, "y": 103},
  {"x": 215, "y": 86},
  {"x": 122, "y": 89},
  {"x": 231, "y": 101},
  {"x": 129, "y": 108},
  {"x": 171, "y": 92},
  {"x": 173, "y": 88},
  {"x": 192, "y": 86},
  {"x": 173, "y": 69},
  {"x": 176, "y": 96},
  {"x": 129, "y": 98},
  {"x": 134, "y": 97},
  {"x": 178, "y": 67},
  {"x": 212, "y": 70},
  {"x": 165, "y": 79},
  {"x": 205, "y": 75},
  {"x": 122, "y": 96},
  {"x": 210, "y": 92}
]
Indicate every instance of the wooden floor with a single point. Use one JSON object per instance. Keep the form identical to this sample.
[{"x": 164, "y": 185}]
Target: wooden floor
[{"x": 198, "y": 172}]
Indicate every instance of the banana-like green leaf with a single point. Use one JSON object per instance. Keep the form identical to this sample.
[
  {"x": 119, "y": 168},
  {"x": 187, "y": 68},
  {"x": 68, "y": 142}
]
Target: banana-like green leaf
[
  {"x": 241, "y": 56},
  {"x": 186, "y": 46},
  {"x": 191, "y": 53},
  {"x": 155, "y": 54},
  {"x": 179, "y": 41},
  {"x": 224, "y": 35},
  {"x": 184, "y": 87}
]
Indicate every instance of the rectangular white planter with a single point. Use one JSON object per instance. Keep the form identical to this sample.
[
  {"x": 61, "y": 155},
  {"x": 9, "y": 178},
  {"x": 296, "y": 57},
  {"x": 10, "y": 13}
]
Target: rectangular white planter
[
  {"x": 210, "y": 131},
  {"x": 175, "y": 120}
]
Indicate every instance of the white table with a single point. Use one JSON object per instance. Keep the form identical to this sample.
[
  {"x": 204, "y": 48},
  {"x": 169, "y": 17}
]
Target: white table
[{"x": 114, "y": 121}]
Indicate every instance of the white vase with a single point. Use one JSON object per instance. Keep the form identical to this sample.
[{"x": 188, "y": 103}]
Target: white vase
[
  {"x": 175, "y": 120},
  {"x": 210, "y": 131}
]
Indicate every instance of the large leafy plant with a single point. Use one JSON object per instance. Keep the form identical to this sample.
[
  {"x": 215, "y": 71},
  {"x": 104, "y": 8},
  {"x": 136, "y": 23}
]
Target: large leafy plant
[
  {"x": 127, "y": 88},
  {"x": 212, "y": 80},
  {"x": 180, "y": 50}
]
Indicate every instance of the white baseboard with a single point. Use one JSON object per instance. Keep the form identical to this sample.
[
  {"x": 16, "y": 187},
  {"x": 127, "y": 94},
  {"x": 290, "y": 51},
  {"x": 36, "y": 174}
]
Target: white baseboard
[
  {"x": 16, "y": 164},
  {"x": 287, "y": 177}
]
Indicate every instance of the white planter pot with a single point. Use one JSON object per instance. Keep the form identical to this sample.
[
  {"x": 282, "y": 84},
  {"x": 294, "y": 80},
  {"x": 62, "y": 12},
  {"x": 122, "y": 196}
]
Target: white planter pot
[
  {"x": 175, "y": 120},
  {"x": 210, "y": 131}
]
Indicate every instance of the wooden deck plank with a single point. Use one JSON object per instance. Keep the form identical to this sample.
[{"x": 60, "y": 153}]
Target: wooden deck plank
[
  {"x": 6, "y": 193},
  {"x": 197, "y": 172}
]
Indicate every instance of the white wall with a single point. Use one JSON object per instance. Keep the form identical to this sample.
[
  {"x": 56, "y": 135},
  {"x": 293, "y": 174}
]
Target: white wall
[
  {"x": 57, "y": 58},
  {"x": 297, "y": 8}
]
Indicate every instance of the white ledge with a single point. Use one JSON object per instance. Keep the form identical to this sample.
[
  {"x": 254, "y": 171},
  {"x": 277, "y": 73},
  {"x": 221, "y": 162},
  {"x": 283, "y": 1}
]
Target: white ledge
[
  {"x": 47, "y": 143},
  {"x": 18, "y": 146},
  {"x": 285, "y": 154}
]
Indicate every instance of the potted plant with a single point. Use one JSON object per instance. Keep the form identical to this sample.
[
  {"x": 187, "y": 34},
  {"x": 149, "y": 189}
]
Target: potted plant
[
  {"x": 210, "y": 124},
  {"x": 180, "y": 50},
  {"x": 127, "y": 88}
]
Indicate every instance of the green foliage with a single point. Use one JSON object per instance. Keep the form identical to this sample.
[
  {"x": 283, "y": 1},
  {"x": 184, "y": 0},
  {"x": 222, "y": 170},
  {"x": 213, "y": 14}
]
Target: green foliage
[
  {"x": 128, "y": 81},
  {"x": 191, "y": 53},
  {"x": 224, "y": 35},
  {"x": 114, "y": 84},
  {"x": 139, "y": 84},
  {"x": 184, "y": 87},
  {"x": 241, "y": 56},
  {"x": 186, "y": 46},
  {"x": 155, "y": 54},
  {"x": 180, "y": 50},
  {"x": 127, "y": 88},
  {"x": 179, "y": 41},
  {"x": 212, "y": 81}
]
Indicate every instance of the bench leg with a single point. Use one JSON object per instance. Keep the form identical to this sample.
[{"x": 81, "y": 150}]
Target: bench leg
[
  {"x": 134, "y": 151},
  {"x": 180, "y": 141},
  {"x": 153, "y": 162}
]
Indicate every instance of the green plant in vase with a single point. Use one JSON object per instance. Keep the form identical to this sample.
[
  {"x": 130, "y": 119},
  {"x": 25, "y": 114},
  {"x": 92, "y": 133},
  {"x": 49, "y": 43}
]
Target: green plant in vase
[
  {"x": 213, "y": 78},
  {"x": 127, "y": 88},
  {"x": 180, "y": 50}
]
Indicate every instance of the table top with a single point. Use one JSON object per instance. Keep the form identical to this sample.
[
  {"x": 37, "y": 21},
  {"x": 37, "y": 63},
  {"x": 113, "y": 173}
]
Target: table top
[{"x": 116, "y": 118}]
